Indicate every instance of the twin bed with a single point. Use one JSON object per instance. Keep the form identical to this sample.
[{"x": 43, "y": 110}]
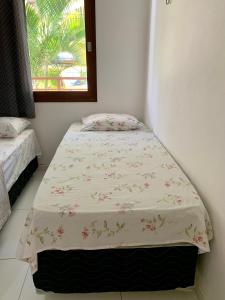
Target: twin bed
[
  {"x": 114, "y": 212},
  {"x": 18, "y": 160}
]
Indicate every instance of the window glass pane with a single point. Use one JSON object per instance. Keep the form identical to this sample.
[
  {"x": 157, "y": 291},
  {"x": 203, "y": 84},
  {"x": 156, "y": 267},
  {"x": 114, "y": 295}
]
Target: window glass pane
[{"x": 57, "y": 44}]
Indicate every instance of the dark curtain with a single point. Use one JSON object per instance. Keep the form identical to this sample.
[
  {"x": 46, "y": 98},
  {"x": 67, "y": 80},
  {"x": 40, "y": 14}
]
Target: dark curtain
[{"x": 16, "y": 96}]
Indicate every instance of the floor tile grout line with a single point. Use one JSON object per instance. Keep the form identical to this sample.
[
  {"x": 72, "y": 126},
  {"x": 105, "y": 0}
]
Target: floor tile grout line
[
  {"x": 25, "y": 277},
  {"x": 8, "y": 258},
  {"x": 14, "y": 209},
  {"x": 21, "y": 209},
  {"x": 121, "y": 297}
]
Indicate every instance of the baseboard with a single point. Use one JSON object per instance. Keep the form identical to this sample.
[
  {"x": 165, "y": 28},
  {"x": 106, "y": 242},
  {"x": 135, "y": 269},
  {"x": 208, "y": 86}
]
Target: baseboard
[
  {"x": 43, "y": 167},
  {"x": 198, "y": 290},
  {"x": 199, "y": 294}
]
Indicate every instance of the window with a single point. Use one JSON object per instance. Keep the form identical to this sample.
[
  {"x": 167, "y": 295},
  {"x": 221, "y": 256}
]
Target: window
[{"x": 62, "y": 49}]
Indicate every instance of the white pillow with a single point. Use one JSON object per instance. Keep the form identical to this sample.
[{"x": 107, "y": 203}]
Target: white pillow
[
  {"x": 11, "y": 127},
  {"x": 110, "y": 122}
]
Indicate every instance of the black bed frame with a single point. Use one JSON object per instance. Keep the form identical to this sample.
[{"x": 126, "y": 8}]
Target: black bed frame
[
  {"x": 139, "y": 269},
  {"x": 24, "y": 177}
]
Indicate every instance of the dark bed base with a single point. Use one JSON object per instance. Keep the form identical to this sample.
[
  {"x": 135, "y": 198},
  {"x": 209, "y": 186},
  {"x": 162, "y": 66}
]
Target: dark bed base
[
  {"x": 24, "y": 177},
  {"x": 149, "y": 269}
]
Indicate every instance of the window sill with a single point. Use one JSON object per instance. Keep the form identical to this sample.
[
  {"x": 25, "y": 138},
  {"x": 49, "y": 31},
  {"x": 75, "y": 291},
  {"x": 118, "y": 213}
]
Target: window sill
[{"x": 48, "y": 96}]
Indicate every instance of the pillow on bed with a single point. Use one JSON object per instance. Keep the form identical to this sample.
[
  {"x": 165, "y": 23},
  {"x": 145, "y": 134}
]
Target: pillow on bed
[
  {"x": 11, "y": 127},
  {"x": 110, "y": 122}
]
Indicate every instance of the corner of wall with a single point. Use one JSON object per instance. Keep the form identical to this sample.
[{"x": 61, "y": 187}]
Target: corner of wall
[{"x": 150, "y": 63}]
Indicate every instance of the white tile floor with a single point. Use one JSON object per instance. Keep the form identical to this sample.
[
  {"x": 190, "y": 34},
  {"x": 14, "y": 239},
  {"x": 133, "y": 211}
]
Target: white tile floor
[{"x": 15, "y": 278}]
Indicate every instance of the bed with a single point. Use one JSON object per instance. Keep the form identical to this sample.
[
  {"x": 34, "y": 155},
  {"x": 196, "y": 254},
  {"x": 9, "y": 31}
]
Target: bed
[
  {"x": 114, "y": 212},
  {"x": 18, "y": 161}
]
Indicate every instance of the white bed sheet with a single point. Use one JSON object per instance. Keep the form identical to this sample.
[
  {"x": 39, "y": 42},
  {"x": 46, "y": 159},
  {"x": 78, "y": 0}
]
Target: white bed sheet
[
  {"x": 16, "y": 154},
  {"x": 113, "y": 189}
]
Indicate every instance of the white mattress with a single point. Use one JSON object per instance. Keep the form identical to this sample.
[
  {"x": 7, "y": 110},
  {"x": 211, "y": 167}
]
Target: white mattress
[
  {"x": 113, "y": 189},
  {"x": 16, "y": 154},
  {"x": 5, "y": 209}
]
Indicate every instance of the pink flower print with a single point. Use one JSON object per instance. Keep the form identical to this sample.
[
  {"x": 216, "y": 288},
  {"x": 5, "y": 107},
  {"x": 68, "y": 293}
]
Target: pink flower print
[
  {"x": 198, "y": 239},
  {"x": 195, "y": 239},
  {"x": 123, "y": 207},
  {"x": 85, "y": 233},
  {"x": 72, "y": 210},
  {"x": 179, "y": 201},
  {"x": 109, "y": 175},
  {"x": 170, "y": 167},
  {"x": 167, "y": 184},
  {"x": 150, "y": 227},
  {"x": 103, "y": 197},
  {"x": 60, "y": 231},
  {"x": 147, "y": 185},
  {"x": 57, "y": 191}
]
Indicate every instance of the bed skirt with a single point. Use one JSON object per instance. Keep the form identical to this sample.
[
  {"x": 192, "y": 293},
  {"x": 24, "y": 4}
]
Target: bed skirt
[
  {"x": 24, "y": 177},
  {"x": 133, "y": 269}
]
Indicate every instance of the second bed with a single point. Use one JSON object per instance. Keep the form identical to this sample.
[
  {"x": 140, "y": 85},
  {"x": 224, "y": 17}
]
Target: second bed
[{"x": 18, "y": 161}]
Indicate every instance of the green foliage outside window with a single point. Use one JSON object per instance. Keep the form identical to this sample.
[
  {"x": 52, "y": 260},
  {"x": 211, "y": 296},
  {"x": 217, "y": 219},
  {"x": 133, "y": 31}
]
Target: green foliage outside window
[{"x": 56, "y": 39}]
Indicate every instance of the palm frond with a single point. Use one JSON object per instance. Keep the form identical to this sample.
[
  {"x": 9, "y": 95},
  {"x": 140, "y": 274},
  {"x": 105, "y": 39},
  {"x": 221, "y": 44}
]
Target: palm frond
[{"x": 54, "y": 26}]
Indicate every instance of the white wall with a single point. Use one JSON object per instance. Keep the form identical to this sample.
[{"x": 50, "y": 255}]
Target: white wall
[
  {"x": 186, "y": 108},
  {"x": 121, "y": 65}
]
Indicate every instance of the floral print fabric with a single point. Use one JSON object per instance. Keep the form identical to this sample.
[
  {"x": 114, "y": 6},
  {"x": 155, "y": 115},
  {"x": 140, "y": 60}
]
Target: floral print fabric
[
  {"x": 113, "y": 189},
  {"x": 110, "y": 122}
]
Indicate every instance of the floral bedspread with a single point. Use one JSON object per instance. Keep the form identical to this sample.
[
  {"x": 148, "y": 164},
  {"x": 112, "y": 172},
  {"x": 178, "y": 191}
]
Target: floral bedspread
[{"x": 113, "y": 189}]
